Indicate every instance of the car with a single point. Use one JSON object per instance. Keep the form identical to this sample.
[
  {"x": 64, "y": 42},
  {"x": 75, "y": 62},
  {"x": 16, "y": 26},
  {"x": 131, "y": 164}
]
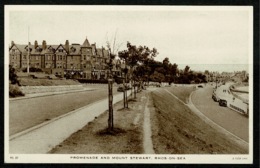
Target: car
[
  {"x": 222, "y": 102},
  {"x": 215, "y": 97},
  {"x": 200, "y": 86},
  {"x": 121, "y": 88}
]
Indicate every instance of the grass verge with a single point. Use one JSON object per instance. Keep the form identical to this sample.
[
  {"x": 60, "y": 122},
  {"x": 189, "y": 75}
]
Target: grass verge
[
  {"x": 177, "y": 130},
  {"x": 94, "y": 138}
]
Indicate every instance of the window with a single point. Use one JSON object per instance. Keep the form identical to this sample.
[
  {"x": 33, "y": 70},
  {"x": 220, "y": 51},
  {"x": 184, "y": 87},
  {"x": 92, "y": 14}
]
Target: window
[
  {"x": 64, "y": 58},
  {"x": 37, "y": 57},
  {"x": 60, "y": 57}
]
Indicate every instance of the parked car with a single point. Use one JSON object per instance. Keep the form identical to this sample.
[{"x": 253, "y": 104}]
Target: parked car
[
  {"x": 121, "y": 88},
  {"x": 215, "y": 97},
  {"x": 222, "y": 102},
  {"x": 200, "y": 86}
]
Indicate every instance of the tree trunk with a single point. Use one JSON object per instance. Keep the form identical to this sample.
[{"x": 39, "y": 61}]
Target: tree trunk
[
  {"x": 110, "y": 102},
  {"x": 134, "y": 90},
  {"x": 126, "y": 102},
  {"x": 124, "y": 92}
]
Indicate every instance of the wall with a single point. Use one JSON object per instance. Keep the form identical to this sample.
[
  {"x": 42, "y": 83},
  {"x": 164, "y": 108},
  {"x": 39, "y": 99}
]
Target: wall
[{"x": 43, "y": 89}]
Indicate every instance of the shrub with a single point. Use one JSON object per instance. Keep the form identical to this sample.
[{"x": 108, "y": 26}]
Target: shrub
[
  {"x": 14, "y": 91},
  {"x": 13, "y": 78}
]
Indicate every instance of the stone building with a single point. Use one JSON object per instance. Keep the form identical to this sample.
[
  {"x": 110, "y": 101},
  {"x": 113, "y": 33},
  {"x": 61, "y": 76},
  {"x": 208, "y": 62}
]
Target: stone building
[{"x": 74, "y": 60}]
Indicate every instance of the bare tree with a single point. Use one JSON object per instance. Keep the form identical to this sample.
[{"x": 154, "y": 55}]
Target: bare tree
[{"x": 110, "y": 63}]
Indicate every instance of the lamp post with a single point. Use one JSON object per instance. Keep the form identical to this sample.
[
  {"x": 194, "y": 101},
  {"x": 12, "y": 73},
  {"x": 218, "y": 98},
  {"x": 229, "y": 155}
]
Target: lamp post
[
  {"x": 110, "y": 91},
  {"x": 28, "y": 54}
]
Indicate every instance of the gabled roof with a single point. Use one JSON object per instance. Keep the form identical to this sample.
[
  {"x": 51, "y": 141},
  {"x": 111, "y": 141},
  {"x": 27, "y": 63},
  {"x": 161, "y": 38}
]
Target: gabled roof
[
  {"x": 21, "y": 48},
  {"x": 101, "y": 52},
  {"x": 34, "y": 51},
  {"x": 59, "y": 47}
]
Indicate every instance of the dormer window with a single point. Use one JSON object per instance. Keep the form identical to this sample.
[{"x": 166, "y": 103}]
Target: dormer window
[
  {"x": 73, "y": 49},
  {"x": 60, "y": 50}
]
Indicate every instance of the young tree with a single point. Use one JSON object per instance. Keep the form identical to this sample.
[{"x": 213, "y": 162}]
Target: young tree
[
  {"x": 124, "y": 55},
  {"x": 110, "y": 65},
  {"x": 136, "y": 57}
]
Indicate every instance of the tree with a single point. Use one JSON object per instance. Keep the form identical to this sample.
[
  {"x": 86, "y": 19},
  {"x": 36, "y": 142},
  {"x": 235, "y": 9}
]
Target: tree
[
  {"x": 186, "y": 69},
  {"x": 124, "y": 55},
  {"x": 135, "y": 57},
  {"x": 157, "y": 77},
  {"x": 110, "y": 65},
  {"x": 173, "y": 73}
]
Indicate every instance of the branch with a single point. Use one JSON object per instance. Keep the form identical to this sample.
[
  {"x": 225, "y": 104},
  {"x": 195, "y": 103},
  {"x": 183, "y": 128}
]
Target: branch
[{"x": 114, "y": 42}]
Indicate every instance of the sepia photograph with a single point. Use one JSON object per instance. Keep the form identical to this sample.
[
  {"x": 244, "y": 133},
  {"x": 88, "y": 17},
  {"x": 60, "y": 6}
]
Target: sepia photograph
[{"x": 128, "y": 84}]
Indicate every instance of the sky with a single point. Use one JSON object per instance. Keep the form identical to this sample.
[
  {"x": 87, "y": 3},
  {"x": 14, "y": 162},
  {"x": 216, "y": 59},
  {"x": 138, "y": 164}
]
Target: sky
[{"x": 209, "y": 38}]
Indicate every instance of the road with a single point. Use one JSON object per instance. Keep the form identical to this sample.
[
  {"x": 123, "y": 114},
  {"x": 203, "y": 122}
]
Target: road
[
  {"x": 232, "y": 121},
  {"x": 26, "y": 113}
]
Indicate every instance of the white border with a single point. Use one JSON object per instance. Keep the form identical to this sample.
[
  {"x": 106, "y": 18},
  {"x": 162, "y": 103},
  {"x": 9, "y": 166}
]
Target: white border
[{"x": 53, "y": 158}]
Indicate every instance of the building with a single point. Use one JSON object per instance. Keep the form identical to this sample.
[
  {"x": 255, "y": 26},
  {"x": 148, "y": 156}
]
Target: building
[{"x": 70, "y": 60}]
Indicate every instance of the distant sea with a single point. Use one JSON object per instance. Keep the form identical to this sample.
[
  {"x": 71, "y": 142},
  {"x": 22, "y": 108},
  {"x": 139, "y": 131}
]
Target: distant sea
[{"x": 216, "y": 67}]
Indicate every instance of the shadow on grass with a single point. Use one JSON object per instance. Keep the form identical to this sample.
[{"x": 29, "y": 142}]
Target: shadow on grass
[
  {"x": 124, "y": 109},
  {"x": 114, "y": 132},
  {"x": 132, "y": 100}
]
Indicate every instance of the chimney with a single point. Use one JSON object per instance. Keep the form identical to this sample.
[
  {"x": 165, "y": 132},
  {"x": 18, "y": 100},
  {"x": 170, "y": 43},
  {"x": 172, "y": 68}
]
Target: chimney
[
  {"x": 67, "y": 45},
  {"x": 44, "y": 45},
  {"x": 35, "y": 44},
  {"x": 12, "y": 43}
]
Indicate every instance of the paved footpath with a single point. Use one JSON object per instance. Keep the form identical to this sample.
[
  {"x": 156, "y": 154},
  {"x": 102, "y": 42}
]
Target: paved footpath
[{"x": 42, "y": 138}]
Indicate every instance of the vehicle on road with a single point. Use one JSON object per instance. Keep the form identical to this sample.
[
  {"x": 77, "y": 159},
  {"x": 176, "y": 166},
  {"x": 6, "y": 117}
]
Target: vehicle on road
[
  {"x": 222, "y": 102},
  {"x": 200, "y": 86},
  {"x": 214, "y": 96},
  {"x": 121, "y": 88}
]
